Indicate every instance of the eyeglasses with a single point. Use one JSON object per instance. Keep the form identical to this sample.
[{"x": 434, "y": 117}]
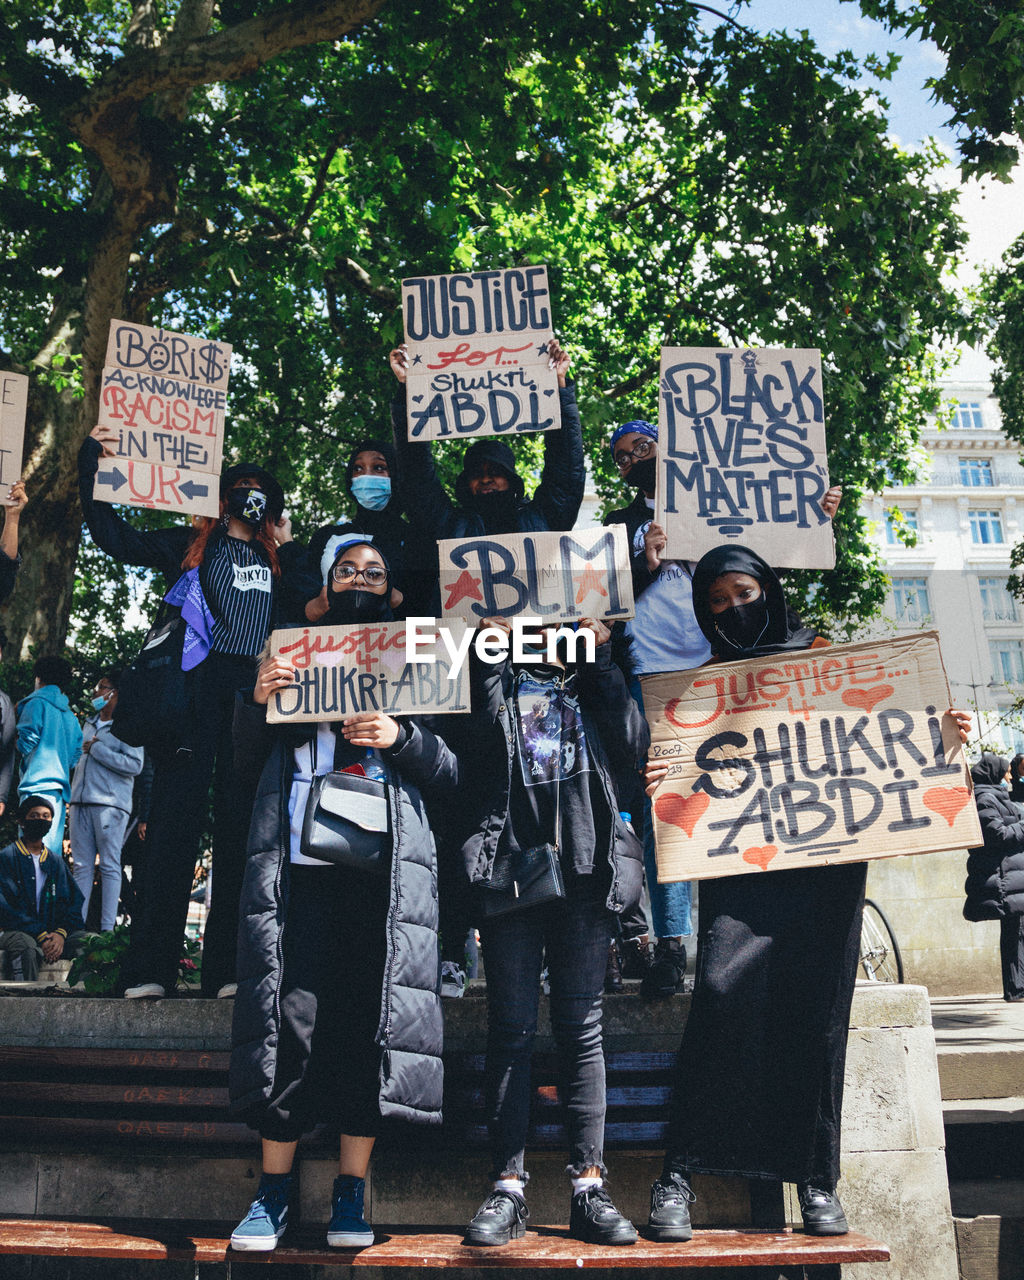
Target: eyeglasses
[
  {"x": 639, "y": 451},
  {"x": 373, "y": 576}
]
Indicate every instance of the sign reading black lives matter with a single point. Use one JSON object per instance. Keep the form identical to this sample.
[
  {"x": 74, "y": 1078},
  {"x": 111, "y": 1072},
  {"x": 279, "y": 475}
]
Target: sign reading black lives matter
[
  {"x": 165, "y": 394},
  {"x": 13, "y": 407},
  {"x": 556, "y": 577},
  {"x": 741, "y": 454},
  {"x": 478, "y": 357},
  {"x": 798, "y": 759},
  {"x": 344, "y": 670}
]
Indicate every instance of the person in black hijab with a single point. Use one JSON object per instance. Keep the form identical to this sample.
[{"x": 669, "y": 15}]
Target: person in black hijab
[
  {"x": 759, "y": 1077},
  {"x": 995, "y": 870},
  {"x": 1017, "y": 780}
]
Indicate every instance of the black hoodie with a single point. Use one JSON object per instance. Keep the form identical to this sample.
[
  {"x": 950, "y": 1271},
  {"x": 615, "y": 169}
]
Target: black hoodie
[
  {"x": 995, "y": 870},
  {"x": 784, "y": 632}
]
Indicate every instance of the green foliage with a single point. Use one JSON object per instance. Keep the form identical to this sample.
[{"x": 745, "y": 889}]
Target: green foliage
[
  {"x": 685, "y": 187},
  {"x": 1003, "y": 291},
  {"x": 98, "y": 963}
]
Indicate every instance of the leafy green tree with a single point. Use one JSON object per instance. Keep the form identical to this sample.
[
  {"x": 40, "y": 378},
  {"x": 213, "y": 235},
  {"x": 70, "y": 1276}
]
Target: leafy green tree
[{"x": 268, "y": 178}]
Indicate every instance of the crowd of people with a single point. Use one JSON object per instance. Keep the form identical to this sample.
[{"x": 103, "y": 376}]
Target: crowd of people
[{"x": 552, "y": 776}]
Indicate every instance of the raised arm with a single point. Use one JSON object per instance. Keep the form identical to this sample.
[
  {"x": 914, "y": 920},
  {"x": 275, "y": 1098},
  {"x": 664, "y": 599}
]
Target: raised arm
[
  {"x": 428, "y": 508},
  {"x": 560, "y": 492}
]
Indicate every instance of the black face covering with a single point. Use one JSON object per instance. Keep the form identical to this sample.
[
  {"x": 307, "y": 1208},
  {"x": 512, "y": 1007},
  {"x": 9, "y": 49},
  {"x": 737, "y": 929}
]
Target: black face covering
[
  {"x": 35, "y": 828},
  {"x": 742, "y": 625},
  {"x": 346, "y": 608},
  {"x": 643, "y": 474},
  {"x": 247, "y": 505},
  {"x": 496, "y": 509}
]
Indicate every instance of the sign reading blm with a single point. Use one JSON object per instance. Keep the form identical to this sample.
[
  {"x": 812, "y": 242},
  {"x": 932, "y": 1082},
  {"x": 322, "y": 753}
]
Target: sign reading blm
[
  {"x": 165, "y": 395},
  {"x": 741, "y": 454},
  {"x": 478, "y": 357},
  {"x": 556, "y": 577},
  {"x": 344, "y": 670},
  {"x": 799, "y": 759},
  {"x": 13, "y": 407}
]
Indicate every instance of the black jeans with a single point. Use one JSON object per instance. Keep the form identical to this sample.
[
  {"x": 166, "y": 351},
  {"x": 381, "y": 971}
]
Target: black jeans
[
  {"x": 573, "y": 934},
  {"x": 1011, "y": 955},
  {"x": 181, "y": 803}
]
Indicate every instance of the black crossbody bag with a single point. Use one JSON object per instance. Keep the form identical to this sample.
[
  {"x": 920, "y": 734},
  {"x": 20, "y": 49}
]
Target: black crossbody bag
[
  {"x": 347, "y": 821},
  {"x": 529, "y": 877}
]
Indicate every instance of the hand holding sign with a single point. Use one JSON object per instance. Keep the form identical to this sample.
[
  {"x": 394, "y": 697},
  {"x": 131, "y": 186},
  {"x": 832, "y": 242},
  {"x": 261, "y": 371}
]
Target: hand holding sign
[
  {"x": 275, "y": 673},
  {"x": 370, "y": 729}
]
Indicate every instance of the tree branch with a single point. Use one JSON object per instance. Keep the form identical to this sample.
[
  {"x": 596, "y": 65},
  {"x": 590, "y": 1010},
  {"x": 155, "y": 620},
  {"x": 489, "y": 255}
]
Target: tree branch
[{"x": 352, "y": 273}]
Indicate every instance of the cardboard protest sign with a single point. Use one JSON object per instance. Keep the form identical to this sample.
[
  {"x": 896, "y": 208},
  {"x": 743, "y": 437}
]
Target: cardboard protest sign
[
  {"x": 13, "y": 407},
  {"x": 478, "y": 360},
  {"x": 557, "y": 577},
  {"x": 165, "y": 395},
  {"x": 343, "y": 670},
  {"x": 798, "y": 759},
  {"x": 741, "y": 454}
]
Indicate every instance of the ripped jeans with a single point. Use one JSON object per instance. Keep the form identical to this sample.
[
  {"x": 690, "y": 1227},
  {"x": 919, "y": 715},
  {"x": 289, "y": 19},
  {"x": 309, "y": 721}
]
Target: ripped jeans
[{"x": 573, "y": 936}]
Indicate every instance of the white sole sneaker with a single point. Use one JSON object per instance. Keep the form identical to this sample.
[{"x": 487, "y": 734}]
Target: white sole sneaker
[
  {"x": 349, "y": 1239},
  {"x": 255, "y": 1244},
  {"x": 145, "y": 991},
  {"x": 228, "y": 991}
]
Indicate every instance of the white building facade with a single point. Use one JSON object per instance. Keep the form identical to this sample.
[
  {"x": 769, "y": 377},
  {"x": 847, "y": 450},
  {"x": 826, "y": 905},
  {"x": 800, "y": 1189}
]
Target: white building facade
[{"x": 966, "y": 510}]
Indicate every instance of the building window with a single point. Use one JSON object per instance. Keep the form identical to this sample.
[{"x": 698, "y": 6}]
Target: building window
[
  {"x": 910, "y": 596},
  {"x": 1007, "y": 661},
  {"x": 997, "y": 605},
  {"x": 967, "y": 416},
  {"x": 986, "y": 527},
  {"x": 977, "y": 473},
  {"x": 903, "y": 522}
]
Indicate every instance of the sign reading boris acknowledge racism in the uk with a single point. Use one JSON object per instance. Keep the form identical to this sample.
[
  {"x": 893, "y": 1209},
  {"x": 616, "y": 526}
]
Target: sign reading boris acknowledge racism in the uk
[
  {"x": 165, "y": 395},
  {"x": 556, "y": 577},
  {"x": 478, "y": 357},
  {"x": 819, "y": 756},
  {"x": 344, "y": 670},
  {"x": 741, "y": 454},
  {"x": 13, "y": 407}
]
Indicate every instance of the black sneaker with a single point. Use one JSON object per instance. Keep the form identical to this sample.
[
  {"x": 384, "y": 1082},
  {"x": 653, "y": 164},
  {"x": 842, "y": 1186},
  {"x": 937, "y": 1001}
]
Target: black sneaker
[
  {"x": 501, "y": 1218},
  {"x": 665, "y": 976},
  {"x": 671, "y": 1197},
  {"x": 636, "y": 958},
  {"x": 821, "y": 1211},
  {"x": 595, "y": 1219},
  {"x": 612, "y": 971}
]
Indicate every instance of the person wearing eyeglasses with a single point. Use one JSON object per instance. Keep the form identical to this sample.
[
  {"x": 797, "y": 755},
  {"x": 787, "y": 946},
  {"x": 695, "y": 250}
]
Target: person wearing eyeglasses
[
  {"x": 338, "y": 1015},
  {"x": 663, "y": 636}
]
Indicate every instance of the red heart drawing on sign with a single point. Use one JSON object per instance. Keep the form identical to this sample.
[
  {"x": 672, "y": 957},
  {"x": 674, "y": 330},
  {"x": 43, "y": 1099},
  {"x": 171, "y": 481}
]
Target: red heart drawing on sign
[
  {"x": 760, "y": 857},
  {"x": 683, "y": 812},
  {"x": 866, "y": 698},
  {"x": 946, "y": 801}
]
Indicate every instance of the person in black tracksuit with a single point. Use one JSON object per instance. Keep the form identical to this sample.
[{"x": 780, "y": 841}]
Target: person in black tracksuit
[
  {"x": 995, "y": 870},
  {"x": 238, "y": 571},
  {"x": 489, "y": 498}
]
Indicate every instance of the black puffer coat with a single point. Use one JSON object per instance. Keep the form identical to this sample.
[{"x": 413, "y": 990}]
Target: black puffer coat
[
  {"x": 995, "y": 871},
  {"x": 410, "y": 1027}
]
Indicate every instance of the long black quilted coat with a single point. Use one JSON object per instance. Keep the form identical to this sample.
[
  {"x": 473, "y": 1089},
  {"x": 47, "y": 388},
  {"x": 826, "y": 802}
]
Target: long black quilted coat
[
  {"x": 995, "y": 870},
  {"x": 410, "y": 1027}
]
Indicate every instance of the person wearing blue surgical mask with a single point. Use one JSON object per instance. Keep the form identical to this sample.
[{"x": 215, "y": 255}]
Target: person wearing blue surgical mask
[{"x": 371, "y": 477}]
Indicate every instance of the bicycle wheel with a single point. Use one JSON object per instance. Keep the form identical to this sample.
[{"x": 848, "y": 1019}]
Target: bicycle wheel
[{"x": 880, "y": 957}]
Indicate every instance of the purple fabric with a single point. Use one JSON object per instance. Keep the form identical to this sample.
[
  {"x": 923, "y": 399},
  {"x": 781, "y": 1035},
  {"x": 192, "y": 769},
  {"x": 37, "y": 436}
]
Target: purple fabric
[{"x": 187, "y": 594}]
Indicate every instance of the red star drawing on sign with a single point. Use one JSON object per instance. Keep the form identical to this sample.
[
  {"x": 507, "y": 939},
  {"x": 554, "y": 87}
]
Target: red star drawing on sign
[
  {"x": 465, "y": 587},
  {"x": 588, "y": 580}
]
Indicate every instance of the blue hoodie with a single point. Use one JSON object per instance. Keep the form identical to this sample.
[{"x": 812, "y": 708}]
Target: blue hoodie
[{"x": 50, "y": 742}]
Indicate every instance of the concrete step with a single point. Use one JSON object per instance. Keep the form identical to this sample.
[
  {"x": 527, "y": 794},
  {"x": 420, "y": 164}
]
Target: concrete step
[
  {"x": 982, "y": 1110},
  {"x": 991, "y": 1247},
  {"x": 987, "y": 1197}
]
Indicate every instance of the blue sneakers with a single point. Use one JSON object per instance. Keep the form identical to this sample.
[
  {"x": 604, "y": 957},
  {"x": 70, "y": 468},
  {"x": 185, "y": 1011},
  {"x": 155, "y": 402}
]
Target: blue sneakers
[
  {"x": 348, "y": 1228},
  {"x": 265, "y": 1223}
]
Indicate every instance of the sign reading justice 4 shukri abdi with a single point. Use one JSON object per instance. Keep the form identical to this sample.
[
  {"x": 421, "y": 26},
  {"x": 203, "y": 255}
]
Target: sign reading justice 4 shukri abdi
[
  {"x": 741, "y": 454},
  {"x": 478, "y": 354}
]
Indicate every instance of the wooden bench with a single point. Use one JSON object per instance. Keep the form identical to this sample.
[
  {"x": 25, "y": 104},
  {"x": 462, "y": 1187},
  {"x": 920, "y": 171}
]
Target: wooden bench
[
  {"x": 543, "y": 1248},
  {"x": 104, "y": 1097}
]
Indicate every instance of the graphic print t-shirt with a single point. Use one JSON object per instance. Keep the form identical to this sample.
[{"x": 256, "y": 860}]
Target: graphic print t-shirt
[
  {"x": 238, "y": 586},
  {"x": 551, "y": 744}
]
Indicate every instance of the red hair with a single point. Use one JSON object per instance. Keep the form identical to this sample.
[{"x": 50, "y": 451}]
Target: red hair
[{"x": 196, "y": 550}]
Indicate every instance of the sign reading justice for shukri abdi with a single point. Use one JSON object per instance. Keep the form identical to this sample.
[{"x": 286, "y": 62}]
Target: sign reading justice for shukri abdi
[
  {"x": 741, "y": 454},
  {"x": 826, "y": 755},
  {"x": 478, "y": 355}
]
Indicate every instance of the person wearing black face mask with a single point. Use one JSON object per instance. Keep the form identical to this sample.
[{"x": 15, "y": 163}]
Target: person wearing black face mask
[
  {"x": 337, "y": 965},
  {"x": 40, "y": 904},
  {"x": 759, "y": 1078},
  {"x": 489, "y": 494},
  {"x": 224, "y": 574}
]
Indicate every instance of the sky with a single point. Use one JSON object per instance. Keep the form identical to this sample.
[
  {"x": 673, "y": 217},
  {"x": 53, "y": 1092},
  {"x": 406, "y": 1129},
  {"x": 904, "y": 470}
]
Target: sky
[{"x": 993, "y": 211}]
